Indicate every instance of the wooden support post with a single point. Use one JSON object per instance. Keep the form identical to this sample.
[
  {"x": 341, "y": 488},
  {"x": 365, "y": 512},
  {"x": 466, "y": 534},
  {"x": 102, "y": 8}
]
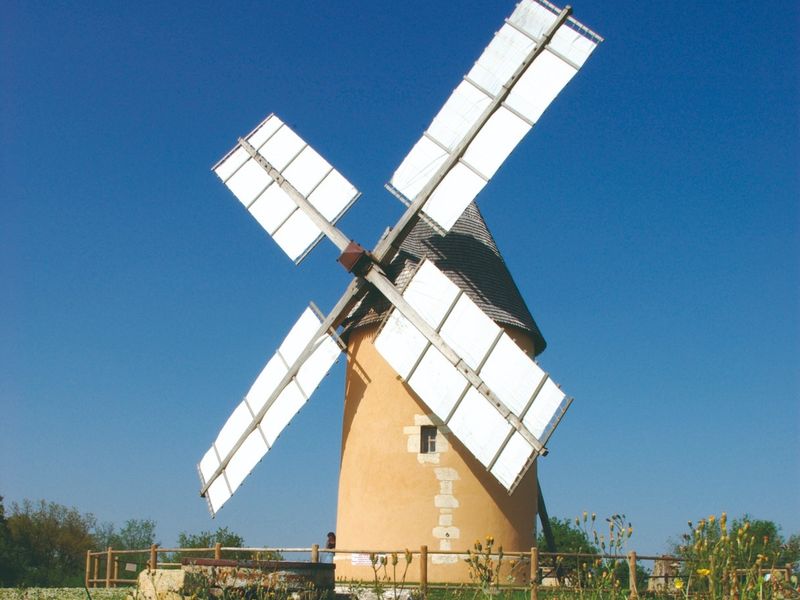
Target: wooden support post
[
  {"x": 116, "y": 570},
  {"x": 217, "y": 551},
  {"x": 534, "y": 574},
  {"x": 88, "y": 568},
  {"x": 96, "y": 570},
  {"x": 109, "y": 566},
  {"x": 153, "y": 563},
  {"x": 423, "y": 571},
  {"x": 634, "y": 593},
  {"x": 315, "y": 553}
]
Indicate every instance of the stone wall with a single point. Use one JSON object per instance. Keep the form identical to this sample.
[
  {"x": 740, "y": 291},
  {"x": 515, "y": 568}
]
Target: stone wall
[{"x": 63, "y": 593}]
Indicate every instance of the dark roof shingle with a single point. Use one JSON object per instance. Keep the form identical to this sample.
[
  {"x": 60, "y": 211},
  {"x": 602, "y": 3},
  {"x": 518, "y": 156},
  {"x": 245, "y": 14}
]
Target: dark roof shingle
[{"x": 468, "y": 255}]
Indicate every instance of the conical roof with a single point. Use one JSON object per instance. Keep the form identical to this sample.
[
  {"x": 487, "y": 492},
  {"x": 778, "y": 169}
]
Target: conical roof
[{"x": 468, "y": 255}]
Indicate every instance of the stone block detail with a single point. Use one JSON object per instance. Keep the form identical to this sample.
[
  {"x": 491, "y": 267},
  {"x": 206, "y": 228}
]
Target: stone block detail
[
  {"x": 445, "y": 501},
  {"x": 446, "y": 474}
]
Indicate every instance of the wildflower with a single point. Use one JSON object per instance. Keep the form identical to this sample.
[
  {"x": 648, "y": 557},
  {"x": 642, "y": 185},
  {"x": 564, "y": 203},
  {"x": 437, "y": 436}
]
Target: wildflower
[
  {"x": 703, "y": 572},
  {"x": 679, "y": 584},
  {"x": 585, "y": 515},
  {"x": 594, "y": 516}
]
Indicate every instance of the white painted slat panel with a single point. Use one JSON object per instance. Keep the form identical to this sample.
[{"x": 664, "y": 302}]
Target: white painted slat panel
[
  {"x": 458, "y": 188},
  {"x": 234, "y": 427},
  {"x": 333, "y": 195},
  {"x": 266, "y": 382},
  {"x": 318, "y": 365},
  {"x": 282, "y": 148},
  {"x": 546, "y": 406},
  {"x": 264, "y": 131},
  {"x": 469, "y": 331},
  {"x": 218, "y": 494},
  {"x": 229, "y": 165},
  {"x": 248, "y": 182},
  {"x": 500, "y": 59},
  {"x": 299, "y": 336},
  {"x": 250, "y": 452},
  {"x": 512, "y": 460},
  {"x": 572, "y": 45},
  {"x": 437, "y": 383},
  {"x": 540, "y": 85},
  {"x": 272, "y": 208},
  {"x": 511, "y": 374},
  {"x": 306, "y": 171},
  {"x": 208, "y": 464},
  {"x": 479, "y": 426},
  {"x": 400, "y": 344},
  {"x": 431, "y": 293},
  {"x": 494, "y": 143},
  {"x": 533, "y": 18},
  {"x": 296, "y": 235},
  {"x": 281, "y": 412},
  {"x": 417, "y": 168},
  {"x": 458, "y": 115}
]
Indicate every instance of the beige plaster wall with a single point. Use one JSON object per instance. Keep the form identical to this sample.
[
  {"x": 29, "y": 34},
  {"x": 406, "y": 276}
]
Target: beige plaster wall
[{"x": 393, "y": 497}]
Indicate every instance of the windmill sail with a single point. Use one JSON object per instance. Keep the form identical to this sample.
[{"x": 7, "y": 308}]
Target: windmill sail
[
  {"x": 296, "y": 170},
  {"x": 527, "y": 64},
  {"x": 519, "y": 383},
  {"x": 306, "y": 357}
]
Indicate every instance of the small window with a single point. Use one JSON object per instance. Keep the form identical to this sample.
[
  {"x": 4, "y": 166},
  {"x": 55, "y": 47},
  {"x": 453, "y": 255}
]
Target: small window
[{"x": 427, "y": 439}]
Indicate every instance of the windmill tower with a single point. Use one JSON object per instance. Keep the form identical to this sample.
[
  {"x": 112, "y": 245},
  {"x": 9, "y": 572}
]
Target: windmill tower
[
  {"x": 446, "y": 411},
  {"x": 404, "y": 479}
]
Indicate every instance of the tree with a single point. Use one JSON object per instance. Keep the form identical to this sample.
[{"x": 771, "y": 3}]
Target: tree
[
  {"x": 50, "y": 543},
  {"x": 764, "y": 539},
  {"x": 10, "y": 571},
  {"x": 208, "y": 539},
  {"x": 768, "y": 540},
  {"x": 136, "y": 534},
  {"x": 568, "y": 537}
]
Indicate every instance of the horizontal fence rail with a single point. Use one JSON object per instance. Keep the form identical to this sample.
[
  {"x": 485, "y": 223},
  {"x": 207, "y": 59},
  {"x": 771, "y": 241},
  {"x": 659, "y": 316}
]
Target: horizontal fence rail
[{"x": 544, "y": 570}]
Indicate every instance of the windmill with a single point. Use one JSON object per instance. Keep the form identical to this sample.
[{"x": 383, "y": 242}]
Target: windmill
[{"x": 425, "y": 338}]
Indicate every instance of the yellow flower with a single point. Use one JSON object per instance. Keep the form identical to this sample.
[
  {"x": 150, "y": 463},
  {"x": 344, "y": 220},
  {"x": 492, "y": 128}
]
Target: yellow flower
[
  {"x": 679, "y": 584},
  {"x": 703, "y": 572}
]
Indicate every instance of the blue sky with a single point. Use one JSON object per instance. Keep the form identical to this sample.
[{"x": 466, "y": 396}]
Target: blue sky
[{"x": 650, "y": 220}]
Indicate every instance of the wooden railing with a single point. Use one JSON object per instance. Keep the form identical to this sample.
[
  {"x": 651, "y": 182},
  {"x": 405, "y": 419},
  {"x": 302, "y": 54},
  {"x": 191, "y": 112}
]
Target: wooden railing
[{"x": 103, "y": 568}]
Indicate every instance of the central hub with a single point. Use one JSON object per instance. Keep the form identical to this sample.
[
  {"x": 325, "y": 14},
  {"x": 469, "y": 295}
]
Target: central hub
[{"x": 355, "y": 259}]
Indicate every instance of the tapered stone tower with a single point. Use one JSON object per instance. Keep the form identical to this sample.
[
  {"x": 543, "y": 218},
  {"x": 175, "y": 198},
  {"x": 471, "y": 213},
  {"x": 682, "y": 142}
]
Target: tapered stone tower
[{"x": 405, "y": 480}]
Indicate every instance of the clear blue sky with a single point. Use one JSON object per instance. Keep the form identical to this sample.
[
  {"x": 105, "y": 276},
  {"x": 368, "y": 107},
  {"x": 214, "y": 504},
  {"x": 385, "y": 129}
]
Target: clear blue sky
[{"x": 650, "y": 220}]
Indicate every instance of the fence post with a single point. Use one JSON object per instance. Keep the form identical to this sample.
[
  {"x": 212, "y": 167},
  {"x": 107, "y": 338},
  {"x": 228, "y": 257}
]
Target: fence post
[
  {"x": 153, "y": 563},
  {"x": 634, "y": 593},
  {"x": 116, "y": 570},
  {"x": 315, "y": 553},
  {"x": 109, "y": 566},
  {"x": 217, "y": 551},
  {"x": 88, "y": 568},
  {"x": 534, "y": 574},
  {"x": 423, "y": 571},
  {"x": 96, "y": 570}
]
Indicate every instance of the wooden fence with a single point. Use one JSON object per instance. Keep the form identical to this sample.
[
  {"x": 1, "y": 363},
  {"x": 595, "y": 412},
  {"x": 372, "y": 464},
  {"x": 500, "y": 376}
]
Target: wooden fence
[{"x": 103, "y": 568}]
